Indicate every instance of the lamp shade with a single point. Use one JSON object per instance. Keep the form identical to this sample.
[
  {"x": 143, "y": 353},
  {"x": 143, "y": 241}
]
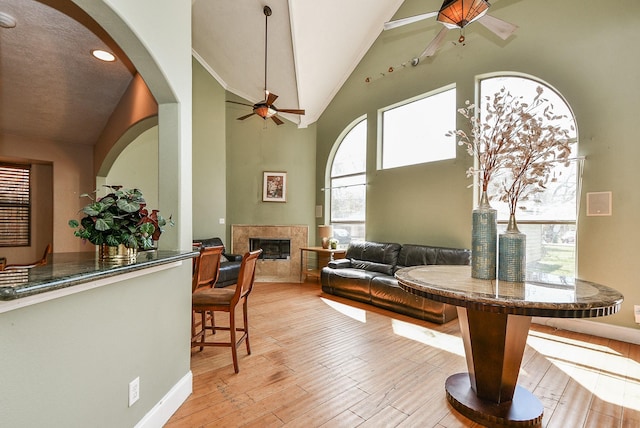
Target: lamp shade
[
  {"x": 264, "y": 111},
  {"x": 458, "y": 13},
  {"x": 325, "y": 231}
]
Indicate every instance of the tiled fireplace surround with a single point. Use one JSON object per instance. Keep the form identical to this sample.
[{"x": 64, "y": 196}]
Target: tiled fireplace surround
[{"x": 272, "y": 270}]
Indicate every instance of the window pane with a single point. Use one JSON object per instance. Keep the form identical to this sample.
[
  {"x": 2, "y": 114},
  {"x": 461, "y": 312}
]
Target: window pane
[
  {"x": 348, "y": 199},
  {"x": 346, "y": 232},
  {"x": 414, "y": 133},
  {"x": 348, "y": 189},
  {"x": 527, "y": 88},
  {"x": 351, "y": 155},
  {"x": 551, "y": 248},
  {"x": 14, "y": 206},
  {"x": 548, "y": 218},
  {"x": 557, "y": 203}
]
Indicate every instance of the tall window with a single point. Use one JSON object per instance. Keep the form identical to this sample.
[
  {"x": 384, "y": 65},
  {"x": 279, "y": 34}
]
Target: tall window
[
  {"x": 15, "y": 205},
  {"x": 550, "y": 218},
  {"x": 348, "y": 186},
  {"x": 414, "y": 131}
]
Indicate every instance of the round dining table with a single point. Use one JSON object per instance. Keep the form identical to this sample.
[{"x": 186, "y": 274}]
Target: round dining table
[{"x": 494, "y": 319}]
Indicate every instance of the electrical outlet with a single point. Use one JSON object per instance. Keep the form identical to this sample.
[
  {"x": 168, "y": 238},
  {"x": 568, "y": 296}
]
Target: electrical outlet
[
  {"x": 134, "y": 391},
  {"x": 636, "y": 312}
]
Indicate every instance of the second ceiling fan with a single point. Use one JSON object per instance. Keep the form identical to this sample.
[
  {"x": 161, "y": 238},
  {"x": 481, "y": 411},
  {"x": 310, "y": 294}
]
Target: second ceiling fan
[
  {"x": 265, "y": 108},
  {"x": 457, "y": 14}
]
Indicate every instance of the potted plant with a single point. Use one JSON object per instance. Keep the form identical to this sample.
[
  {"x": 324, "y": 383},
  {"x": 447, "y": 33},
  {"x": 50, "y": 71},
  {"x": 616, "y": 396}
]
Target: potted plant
[{"x": 119, "y": 223}]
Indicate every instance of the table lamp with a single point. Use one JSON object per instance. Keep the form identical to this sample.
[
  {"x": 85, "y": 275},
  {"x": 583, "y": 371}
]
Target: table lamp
[{"x": 325, "y": 232}]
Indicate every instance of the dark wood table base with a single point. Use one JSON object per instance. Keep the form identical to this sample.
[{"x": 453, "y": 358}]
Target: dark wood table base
[{"x": 524, "y": 410}]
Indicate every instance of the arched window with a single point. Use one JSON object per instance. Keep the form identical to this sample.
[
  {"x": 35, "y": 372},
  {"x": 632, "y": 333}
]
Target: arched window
[
  {"x": 348, "y": 185},
  {"x": 550, "y": 219}
]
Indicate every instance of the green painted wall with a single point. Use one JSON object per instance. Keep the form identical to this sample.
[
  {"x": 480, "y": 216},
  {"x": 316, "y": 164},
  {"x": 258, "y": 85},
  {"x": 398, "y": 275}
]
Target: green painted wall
[
  {"x": 68, "y": 362},
  {"x": 587, "y": 55},
  {"x": 137, "y": 167},
  {"x": 255, "y": 146},
  {"x": 209, "y": 155},
  {"x": 84, "y": 349}
]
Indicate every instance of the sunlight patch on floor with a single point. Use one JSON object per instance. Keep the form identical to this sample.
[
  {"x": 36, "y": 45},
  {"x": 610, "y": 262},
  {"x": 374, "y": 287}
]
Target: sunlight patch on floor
[
  {"x": 350, "y": 311},
  {"x": 597, "y": 368},
  {"x": 427, "y": 336}
]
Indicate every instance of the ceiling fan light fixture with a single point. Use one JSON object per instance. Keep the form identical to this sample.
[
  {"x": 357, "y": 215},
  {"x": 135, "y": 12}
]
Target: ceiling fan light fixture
[
  {"x": 264, "y": 111},
  {"x": 459, "y": 13}
]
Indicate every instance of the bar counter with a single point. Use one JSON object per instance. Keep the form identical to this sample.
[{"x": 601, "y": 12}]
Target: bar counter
[{"x": 64, "y": 270}]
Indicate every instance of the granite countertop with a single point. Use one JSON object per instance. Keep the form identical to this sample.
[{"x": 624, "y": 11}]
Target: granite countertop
[
  {"x": 68, "y": 269},
  {"x": 539, "y": 295}
]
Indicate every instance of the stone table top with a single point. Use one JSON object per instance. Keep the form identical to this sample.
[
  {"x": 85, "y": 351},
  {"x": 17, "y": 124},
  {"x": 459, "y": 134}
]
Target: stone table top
[
  {"x": 67, "y": 269},
  {"x": 539, "y": 295}
]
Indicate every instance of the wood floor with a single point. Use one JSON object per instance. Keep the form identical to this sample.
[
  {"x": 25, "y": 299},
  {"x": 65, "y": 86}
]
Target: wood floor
[{"x": 320, "y": 361}]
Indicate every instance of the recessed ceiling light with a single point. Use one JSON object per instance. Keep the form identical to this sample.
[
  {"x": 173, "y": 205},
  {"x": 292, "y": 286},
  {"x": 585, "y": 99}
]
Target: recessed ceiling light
[
  {"x": 103, "y": 55},
  {"x": 7, "y": 21}
]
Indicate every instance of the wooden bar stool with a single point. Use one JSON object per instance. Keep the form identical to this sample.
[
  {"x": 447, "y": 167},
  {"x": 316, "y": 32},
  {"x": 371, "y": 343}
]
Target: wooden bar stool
[
  {"x": 226, "y": 300},
  {"x": 206, "y": 269}
]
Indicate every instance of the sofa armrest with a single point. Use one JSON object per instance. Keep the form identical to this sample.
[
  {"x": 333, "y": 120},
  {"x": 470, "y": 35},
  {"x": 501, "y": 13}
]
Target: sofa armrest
[
  {"x": 233, "y": 257},
  {"x": 339, "y": 264}
]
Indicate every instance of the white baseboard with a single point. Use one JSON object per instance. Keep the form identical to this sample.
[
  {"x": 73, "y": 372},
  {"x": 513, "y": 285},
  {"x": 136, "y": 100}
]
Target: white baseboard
[
  {"x": 610, "y": 331},
  {"x": 167, "y": 406}
]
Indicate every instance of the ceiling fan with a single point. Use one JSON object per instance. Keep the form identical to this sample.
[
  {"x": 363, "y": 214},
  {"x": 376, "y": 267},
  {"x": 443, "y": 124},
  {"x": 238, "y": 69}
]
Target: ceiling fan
[
  {"x": 457, "y": 14},
  {"x": 265, "y": 108}
]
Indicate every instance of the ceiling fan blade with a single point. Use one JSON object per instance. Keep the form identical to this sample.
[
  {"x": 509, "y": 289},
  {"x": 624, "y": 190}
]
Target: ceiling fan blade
[
  {"x": 500, "y": 28},
  {"x": 435, "y": 43},
  {"x": 245, "y": 116},
  {"x": 289, "y": 110},
  {"x": 271, "y": 98},
  {"x": 404, "y": 21},
  {"x": 242, "y": 104},
  {"x": 277, "y": 120}
]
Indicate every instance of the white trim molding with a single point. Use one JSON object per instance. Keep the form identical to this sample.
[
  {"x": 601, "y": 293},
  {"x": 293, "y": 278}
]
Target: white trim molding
[
  {"x": 169, "y": 404},
  {"x": 609, "y": 331}
]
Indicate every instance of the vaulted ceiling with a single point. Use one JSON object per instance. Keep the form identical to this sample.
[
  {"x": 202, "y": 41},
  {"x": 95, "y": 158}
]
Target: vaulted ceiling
[
  {"x": 312, "y": 46},
  {"x": 51, "y": 88}
]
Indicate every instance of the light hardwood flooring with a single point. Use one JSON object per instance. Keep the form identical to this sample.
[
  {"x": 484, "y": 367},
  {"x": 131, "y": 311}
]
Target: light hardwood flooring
[{"x": 321, "y": 361}]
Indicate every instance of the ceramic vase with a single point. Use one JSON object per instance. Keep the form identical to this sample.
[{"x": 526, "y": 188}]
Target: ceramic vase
[
  {"x": 484, "y": 237},
  {"x": 512, "y": 258}
]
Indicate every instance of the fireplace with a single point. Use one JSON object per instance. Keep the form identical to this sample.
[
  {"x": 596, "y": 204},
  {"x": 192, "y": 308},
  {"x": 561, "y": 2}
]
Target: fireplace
[
  {"x": 273, "y": 270},
  {"x": 272, "y": 249}
]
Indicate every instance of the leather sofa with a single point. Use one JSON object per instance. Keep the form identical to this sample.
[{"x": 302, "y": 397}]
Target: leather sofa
[
  {"x": 229, "y": 265},
  {"x": 366, "y": 274}
]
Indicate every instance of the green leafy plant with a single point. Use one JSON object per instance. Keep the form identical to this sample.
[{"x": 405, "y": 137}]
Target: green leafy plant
[{"x": 121, "y": 217}]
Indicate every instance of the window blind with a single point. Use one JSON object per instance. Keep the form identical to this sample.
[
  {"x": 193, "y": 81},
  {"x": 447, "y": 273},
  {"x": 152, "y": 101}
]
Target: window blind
[{"x": 15, "y": 205}]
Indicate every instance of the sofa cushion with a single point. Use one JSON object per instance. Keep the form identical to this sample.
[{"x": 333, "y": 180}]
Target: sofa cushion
[
  {"x": 348, "y": 282},
  {"x": 453, "y": 256},
  {"x": 228, "y": 274},
  {"x": 387, "y": 294},
  {"x": 372, "y": 266},
  {"x": 416, "y": 255},
  {"x": 373, "y": 256}
]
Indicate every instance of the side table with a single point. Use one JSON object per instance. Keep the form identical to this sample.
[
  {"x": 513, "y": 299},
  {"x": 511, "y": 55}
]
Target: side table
[{"x": 322, "y": 258}]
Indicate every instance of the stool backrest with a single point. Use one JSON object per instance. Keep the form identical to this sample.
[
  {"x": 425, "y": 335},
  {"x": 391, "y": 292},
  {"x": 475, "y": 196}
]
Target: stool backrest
[
  {"x": 207, "y": 268},
  {"x": 247, "y": 274}
]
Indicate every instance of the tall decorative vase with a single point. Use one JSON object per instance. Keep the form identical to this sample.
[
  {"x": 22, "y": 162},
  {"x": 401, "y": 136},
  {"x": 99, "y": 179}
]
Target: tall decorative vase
[
  {"x": 483, "y": 240},
  {"x": 512, "y": 258}
]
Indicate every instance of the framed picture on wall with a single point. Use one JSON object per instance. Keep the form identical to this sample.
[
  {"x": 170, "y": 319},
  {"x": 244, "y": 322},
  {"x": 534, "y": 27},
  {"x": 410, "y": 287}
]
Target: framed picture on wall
[{"x": 274, "y": 187}]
